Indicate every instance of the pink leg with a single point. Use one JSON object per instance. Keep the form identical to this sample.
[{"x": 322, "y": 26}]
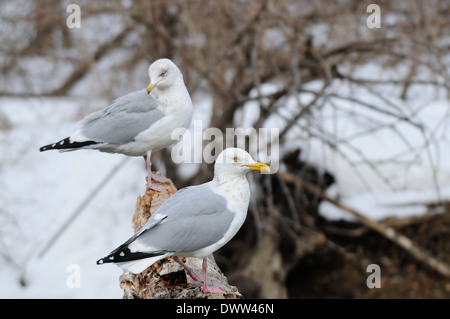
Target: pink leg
[
  {"x": 189, "y": 271},
  {"x": 155, "y": 187},
  {"x": 205, "y": 288}
]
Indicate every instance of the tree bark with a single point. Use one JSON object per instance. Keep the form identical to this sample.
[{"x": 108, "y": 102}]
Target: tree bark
[{"x": 166, "y": 279}]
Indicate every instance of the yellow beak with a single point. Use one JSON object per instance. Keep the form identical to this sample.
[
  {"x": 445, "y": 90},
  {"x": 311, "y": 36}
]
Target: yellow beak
[
  {"x": 259, "y": 167},
  {"x": 150, "y": 87}
]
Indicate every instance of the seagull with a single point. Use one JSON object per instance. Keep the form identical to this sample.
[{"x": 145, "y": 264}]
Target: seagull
[
  {"x": 139, "y": 122},
  {"x": 194, "y": 222}
]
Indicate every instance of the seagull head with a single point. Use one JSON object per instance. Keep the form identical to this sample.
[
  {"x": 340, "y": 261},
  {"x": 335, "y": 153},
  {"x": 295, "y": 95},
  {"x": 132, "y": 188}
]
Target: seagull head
[
  {"x": 163, "y": 73},
  {"x": 236, "y": 161}
]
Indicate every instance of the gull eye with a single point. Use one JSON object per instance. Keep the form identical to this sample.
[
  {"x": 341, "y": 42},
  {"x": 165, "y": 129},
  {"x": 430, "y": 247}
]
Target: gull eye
[
  {"x": 236, "y": 159},
  {"x": 163, "y": 73}
]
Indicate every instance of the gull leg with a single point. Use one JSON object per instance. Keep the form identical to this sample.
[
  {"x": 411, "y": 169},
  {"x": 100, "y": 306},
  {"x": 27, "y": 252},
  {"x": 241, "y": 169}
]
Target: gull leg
[
  {"x": 205, "y": 288},
  {"x": 148, "y": 164},
  {"x": 189, "y": 271},
  {"x": 150, "y": 174}
]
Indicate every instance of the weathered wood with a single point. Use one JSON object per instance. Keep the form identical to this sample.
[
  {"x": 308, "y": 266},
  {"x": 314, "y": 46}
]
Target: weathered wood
[{"x": 166, "y": 279}]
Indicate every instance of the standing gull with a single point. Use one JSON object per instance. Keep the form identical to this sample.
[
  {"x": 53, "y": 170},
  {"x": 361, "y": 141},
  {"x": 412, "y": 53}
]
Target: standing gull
[
  {"x": 137, "y": 123},
  {"x": 196, "y": 221}
]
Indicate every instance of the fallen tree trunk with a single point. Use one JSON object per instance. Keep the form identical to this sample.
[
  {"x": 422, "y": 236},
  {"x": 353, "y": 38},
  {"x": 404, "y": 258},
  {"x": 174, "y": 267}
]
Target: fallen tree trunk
[{"x": 166, "y": 279}]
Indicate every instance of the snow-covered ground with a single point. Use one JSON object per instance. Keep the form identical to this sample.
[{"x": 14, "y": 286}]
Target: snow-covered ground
[{"x": 40, "y": 191}]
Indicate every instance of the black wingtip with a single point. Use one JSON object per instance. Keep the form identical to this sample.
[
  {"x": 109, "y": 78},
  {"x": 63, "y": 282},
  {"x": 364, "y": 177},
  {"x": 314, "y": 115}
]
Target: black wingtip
[
  {"x": 103, "y": 261},
  {"x": 108, "y": 259},
  {"x": 66, "y": 144},
  {"x": 45, "y": 148},
  {"x": 123, "y": 254}
]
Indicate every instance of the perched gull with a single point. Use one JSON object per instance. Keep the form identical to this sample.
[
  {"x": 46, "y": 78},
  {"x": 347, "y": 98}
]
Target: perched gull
[
  {"x": 137, "y": 123},
  {"x": 196, "y": 221}
]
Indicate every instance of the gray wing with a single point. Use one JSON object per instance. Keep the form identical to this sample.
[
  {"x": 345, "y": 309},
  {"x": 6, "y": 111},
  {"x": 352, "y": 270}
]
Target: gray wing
[
  {"x": 193, "y": 218},
  {"x": 123, "y": 120}
]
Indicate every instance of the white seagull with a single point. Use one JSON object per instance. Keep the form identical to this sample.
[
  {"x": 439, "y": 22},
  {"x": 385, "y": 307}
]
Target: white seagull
[
  {"x": 196, "y": 221},
  {"x": 137, "y": 123}
]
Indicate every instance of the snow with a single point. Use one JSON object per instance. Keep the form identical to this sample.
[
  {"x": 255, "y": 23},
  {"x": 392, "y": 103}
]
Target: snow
[{"x": 40, "y": 191}]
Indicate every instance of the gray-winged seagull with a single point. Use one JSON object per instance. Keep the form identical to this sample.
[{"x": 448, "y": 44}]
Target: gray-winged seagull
[
  {"x": 196, "y": 221},
  {"x": 137, "y": 123}
]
